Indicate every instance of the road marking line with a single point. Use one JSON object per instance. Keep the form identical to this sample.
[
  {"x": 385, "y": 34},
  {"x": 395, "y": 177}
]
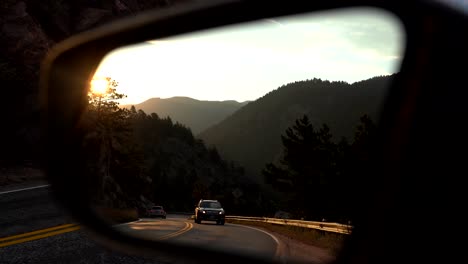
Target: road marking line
[
  {"x": 25, "y": 189},
  {"x": 186, "y": 228},
  {"x": 39, "y": 236},
  {"x": 36, "y": 232},
  {"x": 279, "y": 245}
]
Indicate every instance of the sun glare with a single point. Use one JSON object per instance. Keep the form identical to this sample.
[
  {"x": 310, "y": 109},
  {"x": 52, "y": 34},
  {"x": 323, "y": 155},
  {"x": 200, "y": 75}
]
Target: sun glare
[{"x": 99, "y": 86}]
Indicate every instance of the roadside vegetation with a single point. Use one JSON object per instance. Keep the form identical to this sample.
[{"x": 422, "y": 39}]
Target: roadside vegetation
[
  {"x": 135, "y": 160},
  {"x": 115, "y": 216}
]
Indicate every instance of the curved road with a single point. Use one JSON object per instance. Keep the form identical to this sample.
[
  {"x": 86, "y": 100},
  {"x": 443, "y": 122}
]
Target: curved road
[
  {"x": 35, "y": 229},
  {"x": 228, "y": 237}
]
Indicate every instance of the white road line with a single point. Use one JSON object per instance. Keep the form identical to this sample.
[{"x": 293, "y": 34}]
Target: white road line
[
  {"x": 25, "y": 189},
  {"x": 279, "y": 246}
]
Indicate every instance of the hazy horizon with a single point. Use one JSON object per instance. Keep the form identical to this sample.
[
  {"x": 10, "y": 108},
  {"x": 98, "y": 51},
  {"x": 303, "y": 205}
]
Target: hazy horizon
[
  {"x": 228, "y": 100},
  {"x": 172, "y": 97},
  {"x": 245, "y": 62}
]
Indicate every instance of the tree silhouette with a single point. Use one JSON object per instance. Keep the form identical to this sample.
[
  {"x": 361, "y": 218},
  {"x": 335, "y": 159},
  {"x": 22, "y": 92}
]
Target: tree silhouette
[
  {"x": 316, "y": 176},
  {"x": 132, "y": 155},
  {"x": 108, "y": 141}
]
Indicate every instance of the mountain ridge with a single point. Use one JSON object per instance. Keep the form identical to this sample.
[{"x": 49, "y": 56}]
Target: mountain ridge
[
  {"x": 252, "y": 135},
  {"x": 193, "y": 113}
]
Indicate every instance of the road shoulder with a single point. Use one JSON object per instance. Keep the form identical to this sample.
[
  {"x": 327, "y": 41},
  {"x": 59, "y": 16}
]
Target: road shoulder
[{"x": 296, "y": 250}]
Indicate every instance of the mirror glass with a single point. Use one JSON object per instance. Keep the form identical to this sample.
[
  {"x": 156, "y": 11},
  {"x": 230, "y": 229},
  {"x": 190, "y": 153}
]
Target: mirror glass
[{"x": 252, "y": 138}]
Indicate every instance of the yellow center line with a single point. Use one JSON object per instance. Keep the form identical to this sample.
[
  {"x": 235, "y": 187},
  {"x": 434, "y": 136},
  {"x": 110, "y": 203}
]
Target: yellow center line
[
  {"x": 186, "y": 228},
  {"x": 36, "y": 232},
  {"x": 17, "y": 239}
]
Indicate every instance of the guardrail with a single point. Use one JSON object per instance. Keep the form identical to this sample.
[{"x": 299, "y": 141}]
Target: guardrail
[{"x": 324, "y": 226}]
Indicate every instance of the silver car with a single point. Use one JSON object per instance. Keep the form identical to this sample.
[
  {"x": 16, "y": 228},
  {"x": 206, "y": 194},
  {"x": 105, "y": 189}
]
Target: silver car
[{"x": 156, "y": 211}]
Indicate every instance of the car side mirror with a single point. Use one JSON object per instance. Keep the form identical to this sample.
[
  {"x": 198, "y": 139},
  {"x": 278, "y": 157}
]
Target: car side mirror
[{"x": 73, "y": 64}]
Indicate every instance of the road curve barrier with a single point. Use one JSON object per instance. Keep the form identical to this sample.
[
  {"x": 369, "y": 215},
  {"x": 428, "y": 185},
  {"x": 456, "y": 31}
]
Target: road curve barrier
[{"x": 324, "y": 226}]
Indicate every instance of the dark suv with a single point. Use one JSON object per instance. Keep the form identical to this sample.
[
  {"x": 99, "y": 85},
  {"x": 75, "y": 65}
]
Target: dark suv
[{"x": 209, "y": 210}]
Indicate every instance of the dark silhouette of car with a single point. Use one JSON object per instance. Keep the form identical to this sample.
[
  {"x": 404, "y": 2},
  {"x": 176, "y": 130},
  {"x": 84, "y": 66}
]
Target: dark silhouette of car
[
  {"x": 209, "y": 210},
  {"x": 156, "y": 211}
]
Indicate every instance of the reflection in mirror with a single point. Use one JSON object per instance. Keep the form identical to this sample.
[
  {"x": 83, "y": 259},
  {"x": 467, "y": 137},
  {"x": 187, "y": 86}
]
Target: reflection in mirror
[{"x": 210, "y": 138}]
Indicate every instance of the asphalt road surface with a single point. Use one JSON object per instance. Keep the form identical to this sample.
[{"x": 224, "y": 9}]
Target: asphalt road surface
[
  {"x": 34, "y": 229},
  {"x": 228, "y": 237}
]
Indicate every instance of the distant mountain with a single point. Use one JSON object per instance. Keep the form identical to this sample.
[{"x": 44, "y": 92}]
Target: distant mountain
[
  {"x": 252, "y": 135},
  {"x": 195, "y": 114}
]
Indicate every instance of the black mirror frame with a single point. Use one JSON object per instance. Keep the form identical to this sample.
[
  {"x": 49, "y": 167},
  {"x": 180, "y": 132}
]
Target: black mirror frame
[{"x": 70, "y": 65}]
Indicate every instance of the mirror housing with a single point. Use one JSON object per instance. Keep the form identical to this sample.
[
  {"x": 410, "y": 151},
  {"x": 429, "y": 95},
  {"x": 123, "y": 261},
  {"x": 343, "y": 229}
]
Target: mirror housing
[{"x": 71, "y": 64}]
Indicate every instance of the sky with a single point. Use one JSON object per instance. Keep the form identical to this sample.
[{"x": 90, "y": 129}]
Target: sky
[
  {"x": 244, "y": 62},
  {"x": 461, "y": 5}
]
